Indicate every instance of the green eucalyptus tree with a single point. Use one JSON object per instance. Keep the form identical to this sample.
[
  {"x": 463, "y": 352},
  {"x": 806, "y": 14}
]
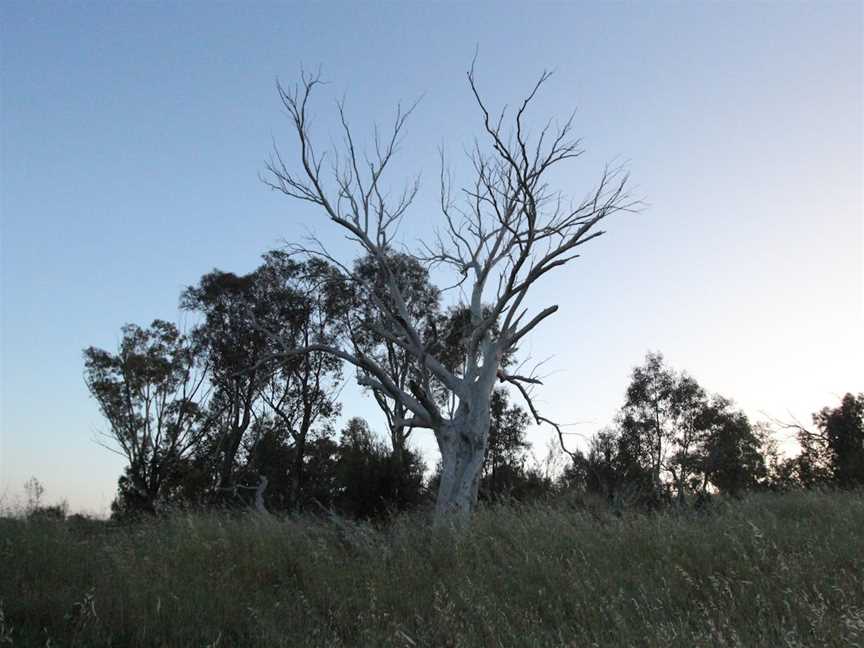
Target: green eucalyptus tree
[{"x": 153, "y": 393}]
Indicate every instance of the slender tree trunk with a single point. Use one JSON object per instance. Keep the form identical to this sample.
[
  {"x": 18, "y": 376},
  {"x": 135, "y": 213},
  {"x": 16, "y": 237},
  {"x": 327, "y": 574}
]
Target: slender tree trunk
[
  {"x": 658, "y": 458},
  {"x": 259, "y": 495},
  {"x": 680, "y": 486},
  {"x": 397, "y": 466},
  {"x": 242, "y": 418},
  {"x": 229, "y": 458},
  {"x": 144, "y": 490},
  {"x": 398, "y": 441},
  {"x": 297, "y": 475}
]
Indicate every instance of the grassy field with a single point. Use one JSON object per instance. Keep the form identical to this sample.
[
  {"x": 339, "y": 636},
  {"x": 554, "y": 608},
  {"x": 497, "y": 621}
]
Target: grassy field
[{"x": 769, "y": 571}]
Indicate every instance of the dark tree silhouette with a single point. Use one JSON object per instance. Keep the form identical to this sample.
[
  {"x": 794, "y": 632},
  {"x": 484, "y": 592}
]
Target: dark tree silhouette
[
  {"x": 152, "y": 393},
  {"x": 843, "y": 429},
  {"x": 229, "y": 305},
  {"x": 661, "y": 421},
  {"x": 833, "y": 453},
  {"x": 504, "y": 467},
  {"x": 672, "y": 436},
  {"x": 370, "y": 481},
  {"x": 731, "y": 452},
  {"x": 245, "y": 320},
  {"x": 271, "y": 452},
  {"x": 302, "y": 389}
]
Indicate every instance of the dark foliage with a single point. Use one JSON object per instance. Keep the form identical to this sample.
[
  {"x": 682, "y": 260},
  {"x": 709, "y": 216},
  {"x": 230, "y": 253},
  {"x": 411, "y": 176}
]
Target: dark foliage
[{"x": 220, "y": 418}]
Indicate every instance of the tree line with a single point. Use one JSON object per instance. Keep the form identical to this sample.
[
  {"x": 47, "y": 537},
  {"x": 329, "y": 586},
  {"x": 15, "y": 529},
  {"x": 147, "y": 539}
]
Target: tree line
[
  {"x": 673, "y": 442},
  {"x": 218, "y": 418}
]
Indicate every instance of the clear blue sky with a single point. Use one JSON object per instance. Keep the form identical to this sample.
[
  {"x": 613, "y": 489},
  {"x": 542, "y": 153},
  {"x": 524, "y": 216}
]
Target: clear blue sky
[{"x": 133, "y": 135}]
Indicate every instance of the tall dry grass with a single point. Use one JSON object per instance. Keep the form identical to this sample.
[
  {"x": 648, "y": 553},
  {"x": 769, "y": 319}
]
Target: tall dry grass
[{"x": 773, "y": 570}]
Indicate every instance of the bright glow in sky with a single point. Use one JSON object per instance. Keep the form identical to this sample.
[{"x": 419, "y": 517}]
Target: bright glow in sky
[{"x": 133, "y": 133}]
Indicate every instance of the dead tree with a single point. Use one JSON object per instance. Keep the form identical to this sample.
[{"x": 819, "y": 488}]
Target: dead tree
[{"x": 507, "y": 230}]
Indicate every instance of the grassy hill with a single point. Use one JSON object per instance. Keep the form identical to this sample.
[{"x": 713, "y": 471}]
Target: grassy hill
[{"x": 772, "y": 570}]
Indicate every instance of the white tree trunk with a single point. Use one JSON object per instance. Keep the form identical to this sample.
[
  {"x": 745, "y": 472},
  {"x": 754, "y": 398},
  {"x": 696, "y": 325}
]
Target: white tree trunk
[
  {"x": 259, "y": 495},
  {"x": 463, "y": 448}
]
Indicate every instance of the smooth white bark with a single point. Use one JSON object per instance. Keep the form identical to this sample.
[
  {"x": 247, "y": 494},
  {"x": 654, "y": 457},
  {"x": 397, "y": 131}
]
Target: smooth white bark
[{"x": 462, "y": 443}]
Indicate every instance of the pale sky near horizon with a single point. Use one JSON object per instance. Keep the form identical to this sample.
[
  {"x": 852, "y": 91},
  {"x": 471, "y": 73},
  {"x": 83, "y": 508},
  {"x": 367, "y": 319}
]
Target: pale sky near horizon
[{"x": 133, "y": 135}]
